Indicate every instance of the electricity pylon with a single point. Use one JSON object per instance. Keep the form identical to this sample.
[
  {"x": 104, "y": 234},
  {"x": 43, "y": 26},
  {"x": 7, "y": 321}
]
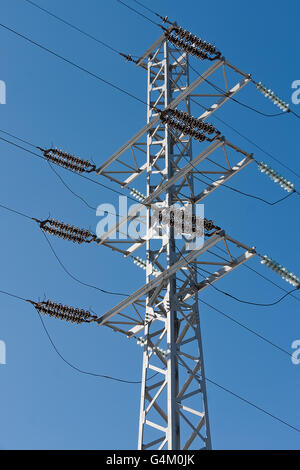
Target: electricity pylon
[
  {"x": 176, "y": 316},
  {"x": 163, "y": 315},
  {"x": 164, "y": 312}
]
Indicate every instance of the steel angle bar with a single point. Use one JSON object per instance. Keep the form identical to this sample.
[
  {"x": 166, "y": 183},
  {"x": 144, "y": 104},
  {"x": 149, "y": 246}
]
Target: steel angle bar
[
  {"x": 150, "y": 49},
  {"x": 155, "y": 120},
  {"x": 224, "y": 178},
  {"x": 163, "y": 187},
  {"x": 160, "y": 278},
  {"x": 228, "y": 268}
]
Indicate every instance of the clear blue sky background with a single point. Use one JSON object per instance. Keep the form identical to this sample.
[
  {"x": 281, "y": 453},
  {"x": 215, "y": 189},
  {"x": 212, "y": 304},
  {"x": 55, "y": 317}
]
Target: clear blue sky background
[{"x": 43, "y": 403}]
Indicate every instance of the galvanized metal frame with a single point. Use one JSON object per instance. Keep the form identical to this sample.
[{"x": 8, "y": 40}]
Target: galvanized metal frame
[
  {"x": 128, "y": 163},
  {"x": 163, "y": 314}
]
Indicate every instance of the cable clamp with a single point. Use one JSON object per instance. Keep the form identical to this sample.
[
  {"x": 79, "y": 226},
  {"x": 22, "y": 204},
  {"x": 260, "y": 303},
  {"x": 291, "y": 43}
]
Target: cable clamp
[{"x": 128, "y": 57}]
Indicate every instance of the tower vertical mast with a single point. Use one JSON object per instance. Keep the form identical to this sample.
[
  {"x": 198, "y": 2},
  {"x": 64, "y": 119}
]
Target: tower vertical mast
[{"x": 173, "y": 409}]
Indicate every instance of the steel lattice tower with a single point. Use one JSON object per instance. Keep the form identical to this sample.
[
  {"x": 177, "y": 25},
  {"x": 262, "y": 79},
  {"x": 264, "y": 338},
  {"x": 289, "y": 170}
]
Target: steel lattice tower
[
  {"x": 163, "y": 314},
  {"x": 166, "y": 396}
]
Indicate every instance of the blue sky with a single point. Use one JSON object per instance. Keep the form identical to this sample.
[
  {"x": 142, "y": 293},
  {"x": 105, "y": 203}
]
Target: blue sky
[{"x": 43, "y": 403}]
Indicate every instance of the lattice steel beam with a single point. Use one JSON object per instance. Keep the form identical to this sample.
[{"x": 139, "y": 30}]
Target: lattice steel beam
[{"x": 163, "y": 314}]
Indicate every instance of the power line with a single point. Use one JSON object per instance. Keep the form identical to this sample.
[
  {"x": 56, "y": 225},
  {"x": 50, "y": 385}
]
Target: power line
[
  {"x": 237, "y": 101},
  {"x": 78, "y": 174},
  {"x": 196, "y": 270},
  {"x": 79, "y": 67},
  {"x": 269, "y": 280},
  {"x": 138, "y": 382},
  {"x": 257, "y": 146},
  {"x": 155, "y": 374},
  {"x": 16, "y": 212},
  {"x": 13, "y": 295},
  {"x": 35, "y": 154},
  {"x": 245, "y": 327},
  {"x": 102, "y": 290},
  {"x": 60, "y": 262},
  {"x": 135, "y": 97},
  {"x": 206, "y": 378},
  {"x": 241, "y": 300},
  {"x": 67, "y": 362},
  {"x": 18, "y": 138},
  {"x": 75, "y": 194},
  {"x": 118, "y": 293},
  {"x": 138, "y": 12},
  {"x": 69, "y": 189},
  {"x": 61, "y": 179},
  {"x": 252, "y": 404},
  {"x": 76, "y": 279},
  {"x": 120, "y": 193},
  {"x": 80, "y": 30},
  {"x": 111, "y": 189},
  {"x": 116, "y": 379},
  {"x": 220, "y": 90},
  {"x": 58, "y": 259},
  {"x": 252, "y": 303},
  {"x": 253, "y": 196},
  {"x": 247, "y": 194},
  {"x": 235, "y": 130},
  {"x": 30, "y": 144},
  {"x": 210, "y": 83},
  {"x": 163, "y": 18},
  {"x": 124, "y": 55},
  {"x": 295, "y": 114},
  {"x": 238, "y": 132},
  {"x": 115, "y": 86},
  {"x": 127, "y": 56},
  {"x": 256, "y": 272},
  {"x": 248, "y": 140},
  {"x": 254, "y": 109}
]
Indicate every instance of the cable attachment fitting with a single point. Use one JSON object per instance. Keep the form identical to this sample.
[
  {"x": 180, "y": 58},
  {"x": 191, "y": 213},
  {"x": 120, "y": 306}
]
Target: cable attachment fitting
[
  {"x": 66, "y": 160},
  {"x": 210, "y": 227},
  {"x": 127, "y": 57},
  {"x": 66, "y": 231},
  {"x": 64, "y": 312}
]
